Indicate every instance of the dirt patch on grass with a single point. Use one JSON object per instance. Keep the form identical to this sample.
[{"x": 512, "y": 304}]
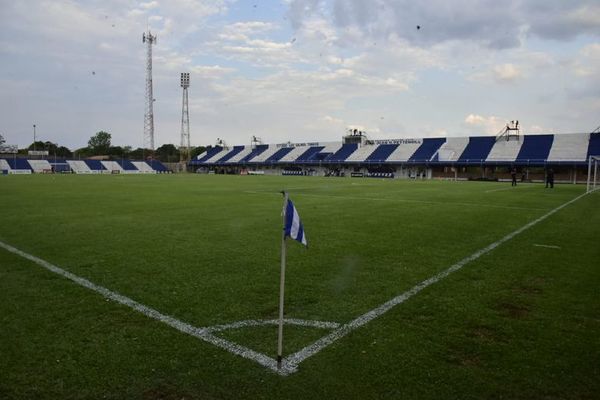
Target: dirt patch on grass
[
  {"x": 463, "y": 359},
  {"x": 516, "y": 311},
  {"x": 532, "y": 286},
  {"x": 484, "y": 334}
]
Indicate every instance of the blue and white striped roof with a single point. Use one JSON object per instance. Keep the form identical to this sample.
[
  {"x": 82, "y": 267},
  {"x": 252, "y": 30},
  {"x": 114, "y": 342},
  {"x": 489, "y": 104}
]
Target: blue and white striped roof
[{"x": 528, "y": 150}]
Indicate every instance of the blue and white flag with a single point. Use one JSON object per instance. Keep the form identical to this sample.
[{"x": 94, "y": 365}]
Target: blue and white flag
[{"x": 293, "y": 226}]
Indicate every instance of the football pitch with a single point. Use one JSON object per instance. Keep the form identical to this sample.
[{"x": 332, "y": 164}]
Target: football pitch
[{"x": 166, "y": 287}]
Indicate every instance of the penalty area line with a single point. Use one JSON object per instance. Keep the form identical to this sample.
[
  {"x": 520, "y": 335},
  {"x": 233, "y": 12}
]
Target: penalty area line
[{"x": 293, "y": 360}]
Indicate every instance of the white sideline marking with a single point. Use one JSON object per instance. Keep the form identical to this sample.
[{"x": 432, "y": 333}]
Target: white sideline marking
[
  {"x": 290, "y": 363},
  {"x": 200, "y": 333},
  {"x": 547, "y": 246},
  {"x": 295, "y": 359}
]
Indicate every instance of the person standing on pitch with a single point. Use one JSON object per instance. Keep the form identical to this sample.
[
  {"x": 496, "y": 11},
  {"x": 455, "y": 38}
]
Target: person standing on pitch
[
  {"x": 513, "y": 174},
  {"x": 550, "y": 178}
]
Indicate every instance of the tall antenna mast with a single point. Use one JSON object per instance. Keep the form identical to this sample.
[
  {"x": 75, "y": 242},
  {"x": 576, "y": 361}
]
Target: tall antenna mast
[
  {"x": 149, "y": 39},
  {"x": 184, "y": 147}
]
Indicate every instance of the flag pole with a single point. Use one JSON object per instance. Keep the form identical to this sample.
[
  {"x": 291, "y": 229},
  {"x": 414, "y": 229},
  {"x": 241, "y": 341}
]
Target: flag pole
[{"x": 281, "y": 285}]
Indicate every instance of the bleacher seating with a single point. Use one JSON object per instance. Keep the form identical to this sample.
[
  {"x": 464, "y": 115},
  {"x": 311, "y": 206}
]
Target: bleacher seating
[
  {"x": 403, "y": 152},
  {"x": 79, "y": 167},
  {"x": 217, "y": 156},
  {"x": 342, "y": 153},
  {"x": 572, "y": 147},
  {"x": 19, "y": 164},
  {"x": 310, "y": 154},
  {"x": 237, "y": 158},
  {"x": 293, "y": 154},
  {"x": 236, "y": 150},
  {"x": 112, "y": 166},
  {"x": 426, "y": 151},
  {"x": 451, "y": 150},
  {"x": 210, "y": 153},
  {"x": 158, "y": 166},
  {"x": 4, "y": 166},
  {"x": 477, "y": 150},
  {"x": 535, "y": 149},
  {"x": 257, "y": 151},
  {"x": 282, "y": 152},
  {"x": 143, "y": 167},
  {"x": 128, "y": 167},
  {"x": 382, "y": 153},
  {"x": 59, "y": 165},
  {"x": 594, "y": 146},
  {"x": 327, "y": 151},
  {"x": 361, "y": 153},
  {"x": 96, "y": 166},
  {"x": 39, "y": 166},
  {"x": 505, "y": 151}
]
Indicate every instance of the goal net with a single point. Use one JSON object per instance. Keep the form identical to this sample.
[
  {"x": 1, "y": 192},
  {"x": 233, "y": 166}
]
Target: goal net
[{"x": 592, "y": 179}]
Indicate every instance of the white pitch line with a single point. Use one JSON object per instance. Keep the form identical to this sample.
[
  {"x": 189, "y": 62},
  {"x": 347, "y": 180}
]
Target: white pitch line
[
  {"x": 262, "y": 322},
  {"x": 547, "y": 246},
  {"x": 200, "y": 333},
  {"x": 293, "y": 360},
  {"x": 507, "y": 188}
]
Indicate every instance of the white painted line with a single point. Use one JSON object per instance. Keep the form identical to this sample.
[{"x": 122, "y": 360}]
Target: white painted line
[
  {"x": 262, "y": 322},
  {"x": 295, "y": 359},
  {"x": 290, "y": 363},
  {"x": 509, "y": 188},
  {"x": 200, "y": 333},
  {"x": 547, "y": 246}
]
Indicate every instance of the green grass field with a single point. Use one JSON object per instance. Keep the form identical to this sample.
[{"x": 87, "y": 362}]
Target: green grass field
[{"x": 521, "y": 321}]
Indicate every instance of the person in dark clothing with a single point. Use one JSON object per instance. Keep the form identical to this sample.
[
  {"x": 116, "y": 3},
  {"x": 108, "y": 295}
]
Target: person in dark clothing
[
  {"x": 550, "y": 178},
  {"x": 513, "y": 174}
]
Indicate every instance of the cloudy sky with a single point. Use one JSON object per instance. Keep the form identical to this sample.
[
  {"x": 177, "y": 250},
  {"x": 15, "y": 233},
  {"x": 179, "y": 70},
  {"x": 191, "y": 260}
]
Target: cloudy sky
[{"x": 298, "y": 70}]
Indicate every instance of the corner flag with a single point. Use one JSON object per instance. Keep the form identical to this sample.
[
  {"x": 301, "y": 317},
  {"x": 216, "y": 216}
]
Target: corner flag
[{"x": 293, "y": 226}]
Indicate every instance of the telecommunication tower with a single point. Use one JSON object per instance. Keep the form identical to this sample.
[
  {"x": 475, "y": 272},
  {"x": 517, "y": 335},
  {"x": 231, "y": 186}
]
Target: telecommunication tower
[
  {"x": 149, "y": 39},
  {"x": 184, "y": 146}
]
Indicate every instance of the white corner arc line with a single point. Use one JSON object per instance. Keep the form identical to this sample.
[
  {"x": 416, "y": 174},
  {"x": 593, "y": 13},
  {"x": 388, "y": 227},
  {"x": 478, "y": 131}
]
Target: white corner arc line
[
  {"x": 262, "y": 322},
  {"x": 547, "y": 246},
  {"x": 200, "y": 333},
  {"x": 293, "y": 360}
]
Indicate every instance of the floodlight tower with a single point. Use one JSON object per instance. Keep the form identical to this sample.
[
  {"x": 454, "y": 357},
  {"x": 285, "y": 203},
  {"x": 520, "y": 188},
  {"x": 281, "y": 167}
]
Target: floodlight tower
[
  {"x": 184, "y": 146},
  {"x": 149, "y": 39}
]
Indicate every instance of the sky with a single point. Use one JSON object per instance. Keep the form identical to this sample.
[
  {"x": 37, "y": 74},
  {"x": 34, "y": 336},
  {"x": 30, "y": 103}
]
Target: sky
[{"x": 297, "y": 70}]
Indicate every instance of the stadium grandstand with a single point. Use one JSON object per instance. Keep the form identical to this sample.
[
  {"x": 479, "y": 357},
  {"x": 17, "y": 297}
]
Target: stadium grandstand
[
  {"x": 458, "y": 158},
  {"x": 19, "y": 165}
]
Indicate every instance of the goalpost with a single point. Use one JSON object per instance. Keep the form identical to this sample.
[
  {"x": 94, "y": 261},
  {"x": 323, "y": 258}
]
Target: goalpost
[{"x": 592, "y": 179}]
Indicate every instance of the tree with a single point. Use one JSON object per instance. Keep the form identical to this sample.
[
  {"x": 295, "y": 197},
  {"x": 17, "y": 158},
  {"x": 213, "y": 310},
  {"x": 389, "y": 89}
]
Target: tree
[
  {"x": 168, "y": 153},
  {"x": 83, "y": 152},
  {"x": 2, "y": 141},
  {"x": 63, "y": 152},
  {"x": 196, "y": 151},
  {"x": 99, "y": 143}
]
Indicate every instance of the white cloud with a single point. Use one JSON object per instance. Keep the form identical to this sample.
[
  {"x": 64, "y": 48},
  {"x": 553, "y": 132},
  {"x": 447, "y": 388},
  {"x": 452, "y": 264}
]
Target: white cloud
[
  {"x": 482, "y": 124},
  {"x": 507, "y": 73}
]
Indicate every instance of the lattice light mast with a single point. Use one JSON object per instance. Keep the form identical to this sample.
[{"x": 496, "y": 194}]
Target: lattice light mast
[
  {"x": 149, "y": 39},
  {"x": 184, "y": 146}
]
